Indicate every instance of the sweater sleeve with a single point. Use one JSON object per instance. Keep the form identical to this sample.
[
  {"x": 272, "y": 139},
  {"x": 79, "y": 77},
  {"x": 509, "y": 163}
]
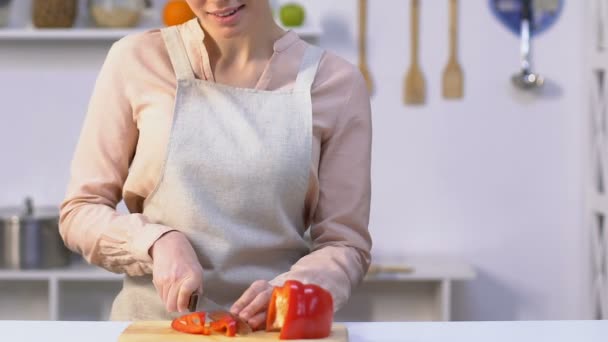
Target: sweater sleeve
[
  {"x": 89, "y": 222},
  {"x": 341, "y": 242}
]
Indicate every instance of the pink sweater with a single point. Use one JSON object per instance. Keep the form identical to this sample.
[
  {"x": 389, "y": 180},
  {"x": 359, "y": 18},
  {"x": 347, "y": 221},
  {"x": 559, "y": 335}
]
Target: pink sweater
[{"x": 124, "y": 140}]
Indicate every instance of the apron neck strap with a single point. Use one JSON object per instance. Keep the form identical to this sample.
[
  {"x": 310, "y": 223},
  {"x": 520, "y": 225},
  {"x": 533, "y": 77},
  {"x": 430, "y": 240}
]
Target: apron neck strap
[
  {"x": 177, "y": 53},
  {"x": 308, "y": 68}
]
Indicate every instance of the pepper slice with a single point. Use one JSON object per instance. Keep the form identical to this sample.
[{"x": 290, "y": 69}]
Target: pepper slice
[
  {"x": 225, "y": 323},
  {"x": 300, "y": 311},
  {"x": 193, "y": 323}
]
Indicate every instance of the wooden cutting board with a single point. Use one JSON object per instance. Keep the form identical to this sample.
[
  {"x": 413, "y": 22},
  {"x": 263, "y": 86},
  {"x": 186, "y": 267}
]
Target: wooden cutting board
[{"x": 161, "y": 331}]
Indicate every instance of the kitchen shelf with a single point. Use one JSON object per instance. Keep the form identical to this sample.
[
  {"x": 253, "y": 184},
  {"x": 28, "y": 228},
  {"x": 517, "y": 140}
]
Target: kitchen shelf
[
  {"x": 426, "y": 269},
  {"x": 77, "y": 271},
  {"x": 21, "y": 28},
  {"x": 64, "y": 34},
  {"x": 422, "y": 270},
  {"x": 99, "y": 34},
  {"x": 64, "y": 291},
  {"x": 422, "y": 294}
]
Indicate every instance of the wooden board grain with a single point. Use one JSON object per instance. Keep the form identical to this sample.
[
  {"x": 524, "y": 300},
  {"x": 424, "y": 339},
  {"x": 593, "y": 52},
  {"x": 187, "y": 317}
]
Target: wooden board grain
[{"x": 161, "y": 331}]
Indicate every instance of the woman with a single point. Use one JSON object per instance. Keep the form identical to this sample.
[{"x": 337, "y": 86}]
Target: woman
[{"x": 228, "y": 138}]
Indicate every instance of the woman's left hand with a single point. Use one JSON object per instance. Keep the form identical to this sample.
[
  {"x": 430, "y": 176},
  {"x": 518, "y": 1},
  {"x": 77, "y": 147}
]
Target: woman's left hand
[{"x": 253, "y": 304}]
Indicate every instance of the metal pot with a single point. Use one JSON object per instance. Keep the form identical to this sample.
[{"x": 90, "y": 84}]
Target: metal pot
[{"x": 29, "y": 238}]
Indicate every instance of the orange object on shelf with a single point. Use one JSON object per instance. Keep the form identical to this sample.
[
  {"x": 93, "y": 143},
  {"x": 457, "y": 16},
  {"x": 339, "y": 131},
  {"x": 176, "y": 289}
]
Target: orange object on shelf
[{"x": 177, "y": 12}]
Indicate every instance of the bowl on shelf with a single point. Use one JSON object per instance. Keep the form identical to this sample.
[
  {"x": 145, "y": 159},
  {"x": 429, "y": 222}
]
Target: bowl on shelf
[
  {"x": 54, "y": 13},
  {"x": 117, "y": 13}
]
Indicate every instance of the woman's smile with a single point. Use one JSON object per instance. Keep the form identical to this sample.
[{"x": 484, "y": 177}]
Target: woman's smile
[{"x": 227, "y": 16}]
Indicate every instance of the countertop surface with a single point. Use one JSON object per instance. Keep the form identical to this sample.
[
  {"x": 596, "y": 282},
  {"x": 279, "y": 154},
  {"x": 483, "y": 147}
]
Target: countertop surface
[{"x": 518, "y": 331}]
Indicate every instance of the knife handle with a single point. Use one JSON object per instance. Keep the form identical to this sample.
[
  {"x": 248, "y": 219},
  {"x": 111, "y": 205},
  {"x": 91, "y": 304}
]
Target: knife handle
[{"x": 193, "y": 302}]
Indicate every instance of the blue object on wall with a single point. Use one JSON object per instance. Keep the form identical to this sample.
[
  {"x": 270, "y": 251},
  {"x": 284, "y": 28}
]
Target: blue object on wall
[{"x": 544, "y": 14}]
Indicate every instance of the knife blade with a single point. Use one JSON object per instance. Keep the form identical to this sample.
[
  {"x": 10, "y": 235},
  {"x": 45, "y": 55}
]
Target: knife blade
[{"x": 217, "y": 312}]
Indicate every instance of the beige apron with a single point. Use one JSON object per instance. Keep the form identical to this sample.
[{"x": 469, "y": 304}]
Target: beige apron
[{"x": 235, "y": 181}]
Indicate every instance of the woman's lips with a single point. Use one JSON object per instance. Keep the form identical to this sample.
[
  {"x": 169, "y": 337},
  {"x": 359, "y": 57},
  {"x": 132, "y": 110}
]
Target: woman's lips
[{"x": 227, "y": 16}]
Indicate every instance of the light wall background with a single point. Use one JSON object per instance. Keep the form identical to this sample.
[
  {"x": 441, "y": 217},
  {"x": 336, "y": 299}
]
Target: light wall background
[{"x": 495, "y": 179}]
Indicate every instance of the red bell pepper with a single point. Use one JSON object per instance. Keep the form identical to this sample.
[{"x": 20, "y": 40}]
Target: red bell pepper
[
  {"x": 226, "y": 323},
  {"x": 300, "y": 311},
  {"x": 193, "y": 323}
]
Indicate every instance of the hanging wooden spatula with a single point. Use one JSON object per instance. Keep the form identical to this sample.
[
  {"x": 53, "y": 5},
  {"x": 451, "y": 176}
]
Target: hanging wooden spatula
[
  {"x": 414, "y": 92},
  {"x": 452, "y": 74},
  {"x": 363, "y": 44}
]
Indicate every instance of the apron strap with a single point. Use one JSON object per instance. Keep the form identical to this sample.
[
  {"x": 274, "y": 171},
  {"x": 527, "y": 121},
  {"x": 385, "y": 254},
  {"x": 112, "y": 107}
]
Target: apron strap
[
  {"x": 177, "y": 53},
  {"x": 308, "y": 68}
]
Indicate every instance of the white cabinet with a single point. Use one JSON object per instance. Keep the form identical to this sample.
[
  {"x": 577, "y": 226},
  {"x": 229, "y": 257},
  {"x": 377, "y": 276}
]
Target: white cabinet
[
  {"x": 85, "y": 293},
  {"x": 80, "y": 292},
  {"x": 425, "y": 294}
]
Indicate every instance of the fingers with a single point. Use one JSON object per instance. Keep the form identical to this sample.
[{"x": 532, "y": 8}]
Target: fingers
[
  {"x": 183, "y": 298},
  {"x": 161, "y": 289},
  {"x": 177, "y": 272},
  {"x": 258, "y": 321},
  {"x": 248, "y": 296},
  {"x": 171, "y": 300},
  {"x": 187, "y": 288},
  {"x": 258, "y": 304}
]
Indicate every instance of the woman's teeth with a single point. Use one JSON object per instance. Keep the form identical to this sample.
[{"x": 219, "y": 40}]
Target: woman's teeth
[{"x": 227, "y": 14}]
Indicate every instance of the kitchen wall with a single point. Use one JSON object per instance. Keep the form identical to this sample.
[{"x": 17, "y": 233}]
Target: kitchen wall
[{"x": 495, "y": 179}]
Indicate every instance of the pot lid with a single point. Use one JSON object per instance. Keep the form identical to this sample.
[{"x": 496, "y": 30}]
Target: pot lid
[{"x": 27, "y": 210}]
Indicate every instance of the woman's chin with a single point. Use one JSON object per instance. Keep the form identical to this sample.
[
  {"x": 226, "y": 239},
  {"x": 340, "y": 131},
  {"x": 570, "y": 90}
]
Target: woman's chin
[
  {"x": 229, "y": 32},
  {"x": 225, "y": 31}
]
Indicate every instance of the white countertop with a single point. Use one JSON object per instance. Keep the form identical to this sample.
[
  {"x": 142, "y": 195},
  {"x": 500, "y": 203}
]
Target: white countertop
[{"x": 534, "y": 331}]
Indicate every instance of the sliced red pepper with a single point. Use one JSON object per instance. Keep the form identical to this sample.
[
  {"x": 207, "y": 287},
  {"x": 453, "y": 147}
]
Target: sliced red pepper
[
  {"x": 300, "y": 311},
  {"x": 227, "y": 324},
  {"x": 193, "y": 323}
]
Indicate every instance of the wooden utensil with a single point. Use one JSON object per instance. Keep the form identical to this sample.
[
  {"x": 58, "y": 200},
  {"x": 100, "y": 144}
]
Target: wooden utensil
[
  {"x": 452, "y": 74},
  {"x": 363, "y": 45},
  {"x": 414, "y": 92},
  {"x": 161, "y": 331}
]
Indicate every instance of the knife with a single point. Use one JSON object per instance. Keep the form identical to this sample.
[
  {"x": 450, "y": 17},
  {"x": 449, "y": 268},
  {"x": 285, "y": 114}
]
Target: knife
[{"x": 217, "y": 312}]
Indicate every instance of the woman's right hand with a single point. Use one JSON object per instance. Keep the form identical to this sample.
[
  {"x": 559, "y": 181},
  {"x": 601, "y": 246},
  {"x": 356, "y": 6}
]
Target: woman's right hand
[{"x": 177, "y": 272}]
